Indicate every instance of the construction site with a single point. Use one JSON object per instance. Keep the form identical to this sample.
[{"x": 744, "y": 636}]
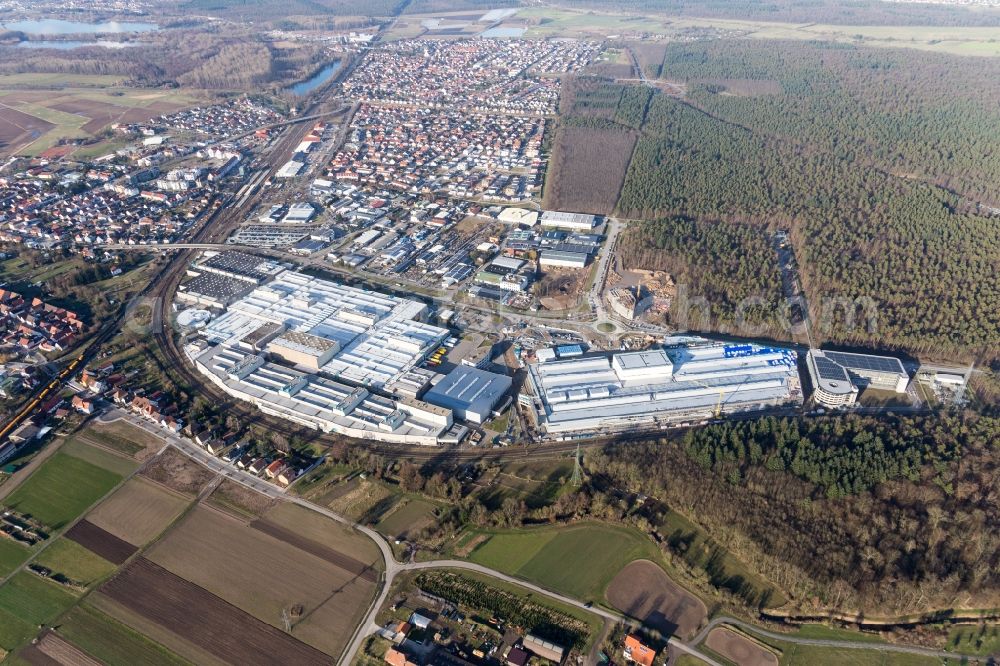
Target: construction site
[{"x": 639, "y": 294}]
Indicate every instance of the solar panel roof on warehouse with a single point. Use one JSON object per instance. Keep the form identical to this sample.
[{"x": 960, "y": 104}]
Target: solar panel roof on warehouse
[
  {"x": 865, "y": 362},
  {"x": 829, "y": 370}
]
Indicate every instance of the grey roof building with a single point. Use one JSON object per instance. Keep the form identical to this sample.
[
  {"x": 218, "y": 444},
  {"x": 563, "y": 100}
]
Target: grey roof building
[{"x": 469, "y": 392}]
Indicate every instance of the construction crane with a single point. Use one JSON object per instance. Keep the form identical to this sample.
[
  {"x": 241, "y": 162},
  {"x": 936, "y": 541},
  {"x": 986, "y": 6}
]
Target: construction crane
[{"x": 722, "y": 393}]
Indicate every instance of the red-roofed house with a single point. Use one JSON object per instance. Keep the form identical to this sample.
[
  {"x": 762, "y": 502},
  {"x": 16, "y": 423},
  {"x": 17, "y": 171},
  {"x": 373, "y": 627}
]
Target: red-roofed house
[
  {"x": 638, "y": 652},
  {"x": 394, "y": 657}
]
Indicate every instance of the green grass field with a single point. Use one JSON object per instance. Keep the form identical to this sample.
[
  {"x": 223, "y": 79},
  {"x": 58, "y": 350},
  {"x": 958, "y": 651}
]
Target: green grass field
[
  {"x": 406, "y": 517},
  {"x": 56, "y": 80},
  {"x": 578, "y": 561},
  {"x": 99, "y": 457},
  {"x": 61, "y": 489},
  {"x": 112, "y": 642},
  {"x": 809, "y": 655},
  {"x": 118, "y": 437},
  {"x": 689, "y": 660},
  {"x": 33, "y": 599},
  {"x": 822, "y": 631},
  {"x": 983, "y": 640},
  {"x": 12, "y": 554},
  {"x": 14, "y": 631},
  {"x": 792, "y": 654},
  {"x": 17, "y": 269},
  {"x": 74, "y": 561}
]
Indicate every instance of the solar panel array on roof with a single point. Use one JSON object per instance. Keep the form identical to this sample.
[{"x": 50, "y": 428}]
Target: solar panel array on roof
[
  {"x": 865, "y": 362},
  {"x": 829, "y": 370}
]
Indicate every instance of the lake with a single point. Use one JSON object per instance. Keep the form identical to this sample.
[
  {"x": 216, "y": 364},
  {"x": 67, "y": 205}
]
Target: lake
[
  {"x": 503, "y": 33},
  {"x": 60, "y": 27},
  {"x": 70, "y": 44},
  {"x": 303, "y": 88}
]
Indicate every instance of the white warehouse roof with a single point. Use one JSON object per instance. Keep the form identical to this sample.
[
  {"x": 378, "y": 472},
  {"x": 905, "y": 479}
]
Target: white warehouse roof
[
  {"x": 624, "y": 390},
  {"x": 380, "y": 336}
]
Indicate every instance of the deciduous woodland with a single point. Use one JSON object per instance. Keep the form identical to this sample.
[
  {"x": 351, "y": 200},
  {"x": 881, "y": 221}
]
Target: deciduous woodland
[
  {"x": 208, "y": 60},
  {"x": 894, "y": 514}
]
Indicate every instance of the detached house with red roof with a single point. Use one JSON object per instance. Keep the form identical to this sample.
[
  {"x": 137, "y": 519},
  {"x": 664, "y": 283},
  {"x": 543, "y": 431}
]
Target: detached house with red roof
[{"x": 638, "y": 652}]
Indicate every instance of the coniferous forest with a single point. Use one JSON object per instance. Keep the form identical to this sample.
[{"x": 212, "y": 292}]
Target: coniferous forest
[{"x": 884, "y": 166}]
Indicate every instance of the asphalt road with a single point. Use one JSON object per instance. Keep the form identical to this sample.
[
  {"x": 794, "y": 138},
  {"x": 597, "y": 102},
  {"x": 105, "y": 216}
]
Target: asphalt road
[{"x": 819, "y": 642}]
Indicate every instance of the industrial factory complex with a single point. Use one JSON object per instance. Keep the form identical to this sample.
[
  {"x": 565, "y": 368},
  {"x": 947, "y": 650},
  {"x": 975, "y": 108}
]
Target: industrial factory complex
[
  {"x": 661, "y": 386},
  {"x": 354, "y": 334},
  {"x": 368, "y": 365},
  {"x": 338, "y": 346}
]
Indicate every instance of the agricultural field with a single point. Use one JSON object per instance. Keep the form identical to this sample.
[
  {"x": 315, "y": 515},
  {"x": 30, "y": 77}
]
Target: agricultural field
[
  {"x": 100, "y": 456},
  {"x": 177, "y": 472},
  {"x": 578, "y": 560},
  {"x": 240, "y": 500},
  {"x": 12, "y": 554},
  {"x": 138, "y": 511},
  {"x": 51, "y": 648},
  {"x": 121, "y": 437},
  {"x": 311, "y": 581},
  {"x": 407, "y": 518},
  {"x": 14, "y": 631},
  {"x": 100, "y": 542},
  {"x": 151, "y": 629},
  {"x": 326, "y": 532},
  {"x": 545, "y": 22},
  {"x": 34, "y": 121},
  {"x": 112, "y": 642},
  {"x": 644, "y": 591},
  {"x": 562, "y": 22},
  {"x": 739, "y": 649},
  {"x": 219, "y": 628},
  {"x": 61, "y": 489},
  {"x": 27, "y": 601},
  {"x": 588, "y": 169},
  {"x": 73, "y": 560}
]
